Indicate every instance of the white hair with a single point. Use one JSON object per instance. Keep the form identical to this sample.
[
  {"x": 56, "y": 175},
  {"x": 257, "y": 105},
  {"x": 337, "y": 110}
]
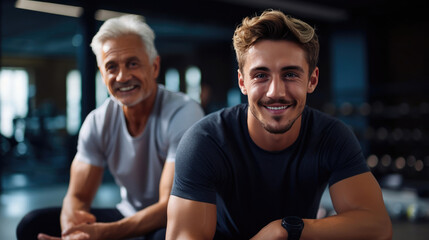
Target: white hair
[{"x": 123, "y": 25}]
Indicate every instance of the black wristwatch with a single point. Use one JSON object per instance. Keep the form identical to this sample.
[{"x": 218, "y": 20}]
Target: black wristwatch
[{"x": 293, "y": 226}]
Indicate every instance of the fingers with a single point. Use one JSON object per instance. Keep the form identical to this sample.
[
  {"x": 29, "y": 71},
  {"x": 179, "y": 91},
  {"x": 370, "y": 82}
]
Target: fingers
[
  {"x": 42, "y": 236},
  {"x": 75, "y": 232},
  {"x": 72, "y": 236},
  {"x": 76, "y": 236}
]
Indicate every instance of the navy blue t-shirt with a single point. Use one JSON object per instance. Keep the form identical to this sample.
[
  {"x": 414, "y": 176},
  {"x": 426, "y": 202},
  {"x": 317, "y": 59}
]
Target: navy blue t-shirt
[{"x": 217, "y": 162}]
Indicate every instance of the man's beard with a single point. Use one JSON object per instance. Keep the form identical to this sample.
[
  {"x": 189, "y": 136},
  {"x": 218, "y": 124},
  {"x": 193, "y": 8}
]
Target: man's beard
[
  {"x": 267, "y": 127},
  {"x": 146, "y": 95}
]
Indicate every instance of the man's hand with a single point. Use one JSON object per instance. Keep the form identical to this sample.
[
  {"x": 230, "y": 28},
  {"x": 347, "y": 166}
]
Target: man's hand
[
  {"x": 273, "y": 230},
  {"x": 91, "y": 231},
  {"x": 82, "y": 231},
  {"x": 79, "y": 218},
  {"x": 73, "y": 236}
]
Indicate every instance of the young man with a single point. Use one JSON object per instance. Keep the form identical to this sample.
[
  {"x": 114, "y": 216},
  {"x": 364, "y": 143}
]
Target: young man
[
  {"x": 258, "y": 170},
  {"x": 135, "y": 134}
]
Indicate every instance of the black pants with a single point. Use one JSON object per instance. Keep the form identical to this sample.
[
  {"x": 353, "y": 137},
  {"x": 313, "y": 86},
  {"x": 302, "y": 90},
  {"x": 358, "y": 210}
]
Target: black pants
[{"x": 47, "y": 220}]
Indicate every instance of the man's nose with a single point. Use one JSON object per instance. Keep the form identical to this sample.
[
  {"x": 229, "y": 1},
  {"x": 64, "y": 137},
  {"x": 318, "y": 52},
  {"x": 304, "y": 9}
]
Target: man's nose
[
  {"x": 276, "y": 88},
  {"x": 123, "y": 75}
]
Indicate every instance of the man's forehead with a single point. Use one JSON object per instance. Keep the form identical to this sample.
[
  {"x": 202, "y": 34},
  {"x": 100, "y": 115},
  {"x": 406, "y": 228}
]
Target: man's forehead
[
  {"x": 278, "y": 53},
  {"x": 122, "y": 49},
  {"x": 123, "y": 41}
]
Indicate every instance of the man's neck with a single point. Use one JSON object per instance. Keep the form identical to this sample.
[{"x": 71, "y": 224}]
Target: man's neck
[{"x": 136, "y": 116}]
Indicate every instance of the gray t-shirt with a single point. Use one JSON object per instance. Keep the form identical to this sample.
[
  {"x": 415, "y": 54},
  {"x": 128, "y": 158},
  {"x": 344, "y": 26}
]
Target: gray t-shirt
[{"x": 136, "y": 163}]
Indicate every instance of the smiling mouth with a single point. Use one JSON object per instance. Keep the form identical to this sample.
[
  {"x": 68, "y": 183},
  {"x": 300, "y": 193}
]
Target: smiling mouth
[
  {"x": 277, "y": 107},
  {"x": 126, "y": 89}
]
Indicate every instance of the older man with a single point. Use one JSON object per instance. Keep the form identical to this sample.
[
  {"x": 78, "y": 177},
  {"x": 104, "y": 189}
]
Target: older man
[{"x": 134, "y": 133}]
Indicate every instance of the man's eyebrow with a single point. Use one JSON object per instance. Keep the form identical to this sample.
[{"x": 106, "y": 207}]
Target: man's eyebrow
[
  {"x": 109, "y": 63},
  {"x": 298, "y": 68},
  {"x": 133, "y": 58},
  {"x": 262, "y": 68}
]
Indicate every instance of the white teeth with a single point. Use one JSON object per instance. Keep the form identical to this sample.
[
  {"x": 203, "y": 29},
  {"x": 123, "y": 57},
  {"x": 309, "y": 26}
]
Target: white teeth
[
  {"x": 123, "y": 89},
  {"x": 277, "y": 108}
]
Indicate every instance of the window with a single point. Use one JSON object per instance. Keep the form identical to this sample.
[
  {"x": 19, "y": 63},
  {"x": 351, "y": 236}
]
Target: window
[
  {"x": 101, "y": 92},
  {"x": 193, "y": 83},
  {"x": 74, "y": 97},
  {"x": 172, "y": 80},
  {"x": 233, "y": 97},
  {"x": 13, "y": 97}
]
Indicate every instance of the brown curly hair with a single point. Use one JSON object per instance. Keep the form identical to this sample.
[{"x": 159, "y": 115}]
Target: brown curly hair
[{"x": 275, "y": 25}]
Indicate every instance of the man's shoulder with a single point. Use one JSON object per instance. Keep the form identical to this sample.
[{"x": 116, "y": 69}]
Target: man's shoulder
[
  {"x": 222, "y": 120},
  {"x": 310, "y": 111},
  {"x": 171, "y": 101},
  {"x": 108, "y": 112},
  {"x": 323, "y": 124},
  {"x": 315, "y": 116},
  {"x": 235, "y": 111},
  {"x": 227, "y": 113},
  {"x": 109, "y": 106}
]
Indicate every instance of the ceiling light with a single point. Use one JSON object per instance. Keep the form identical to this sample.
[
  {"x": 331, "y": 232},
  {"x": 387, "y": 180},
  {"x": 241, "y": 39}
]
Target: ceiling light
[
  {"x": 103, "y": 15},
  {"x": 65, "y": 10},
  {"x": 53, "y": 8}
]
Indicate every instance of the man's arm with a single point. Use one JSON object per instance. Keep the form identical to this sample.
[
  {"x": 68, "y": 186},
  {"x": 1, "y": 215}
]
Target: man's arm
[
  {"x": 84, "y": 182},
  {"x": 141, "y": 223},
  {"x": 361, "y": 214},
  {"x": 151, "y": 217},
  {"x": 188, "y": 219}
]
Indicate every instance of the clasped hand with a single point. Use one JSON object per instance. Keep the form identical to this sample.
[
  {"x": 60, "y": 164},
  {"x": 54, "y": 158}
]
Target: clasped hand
[{"x": 81, "y": 227}]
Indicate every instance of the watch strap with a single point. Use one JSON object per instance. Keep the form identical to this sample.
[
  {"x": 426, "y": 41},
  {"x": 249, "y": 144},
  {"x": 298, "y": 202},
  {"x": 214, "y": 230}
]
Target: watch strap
[{"x": 293, "y": 226}]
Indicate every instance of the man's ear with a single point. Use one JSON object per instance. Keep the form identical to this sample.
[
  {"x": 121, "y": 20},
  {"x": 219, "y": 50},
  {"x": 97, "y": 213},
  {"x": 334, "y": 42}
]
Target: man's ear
[
  {"x": 102, "y": 75},
  {"x": 313, "y": 81},
  {"x": 156, "y": 66},
  {"x": 241, "y": 82}
]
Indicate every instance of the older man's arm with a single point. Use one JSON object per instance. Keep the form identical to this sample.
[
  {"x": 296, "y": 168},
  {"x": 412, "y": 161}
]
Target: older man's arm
[{"x": 145, "y": 221}]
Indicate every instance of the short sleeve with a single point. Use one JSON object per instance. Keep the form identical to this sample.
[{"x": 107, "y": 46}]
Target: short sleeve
[
  {"x": 347, "y": 159},
  {"x": 89, "y": 142},
  {"x": 181, "y": 121},
  {"x": 195, "y": 174}
]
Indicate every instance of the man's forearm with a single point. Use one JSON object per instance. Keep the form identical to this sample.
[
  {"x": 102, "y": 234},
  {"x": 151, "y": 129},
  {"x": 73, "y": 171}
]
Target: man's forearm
[
  {"x": 69, "y": 209},
  {"x": 143, "y": 222},
  {"x": 355, "y": 224}
]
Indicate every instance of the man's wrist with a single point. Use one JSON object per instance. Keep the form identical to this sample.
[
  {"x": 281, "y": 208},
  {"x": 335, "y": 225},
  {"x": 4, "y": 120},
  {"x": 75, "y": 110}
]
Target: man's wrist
[
  {"x": 112, "y": 230},
  {"x": 294, "y": 226}
]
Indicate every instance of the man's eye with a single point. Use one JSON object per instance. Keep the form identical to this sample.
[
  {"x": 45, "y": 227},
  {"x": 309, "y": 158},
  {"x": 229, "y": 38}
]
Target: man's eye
[
  {"x": 133, "y": 64},
  {"x": 290, "y": 75},
  {"x": 110, "y": 67},
  {"x": 260, "y": 75}
]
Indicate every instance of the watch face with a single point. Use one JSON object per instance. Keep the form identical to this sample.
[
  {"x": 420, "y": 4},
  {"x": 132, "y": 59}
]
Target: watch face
[{"x": 293, "y": 221}]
